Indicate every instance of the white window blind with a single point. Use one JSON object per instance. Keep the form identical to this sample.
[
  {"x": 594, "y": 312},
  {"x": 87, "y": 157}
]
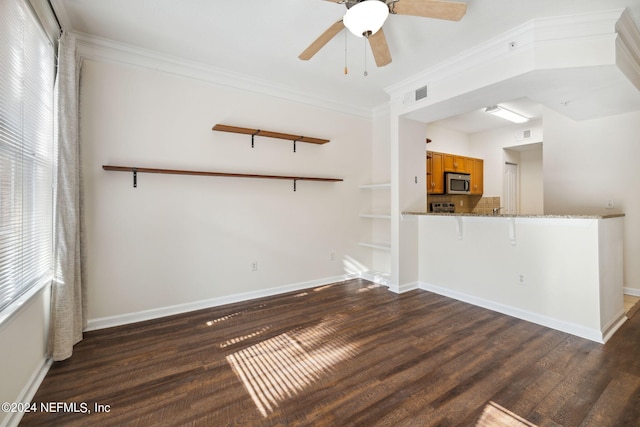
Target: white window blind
[{"x": 26, "y": 152}]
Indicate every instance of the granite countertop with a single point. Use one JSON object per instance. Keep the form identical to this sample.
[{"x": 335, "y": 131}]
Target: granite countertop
[{"x": 568, "y": 216}]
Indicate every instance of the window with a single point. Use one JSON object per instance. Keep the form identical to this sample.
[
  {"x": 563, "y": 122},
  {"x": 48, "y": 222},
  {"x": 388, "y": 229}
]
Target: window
[{"x": 26, "y": 152}]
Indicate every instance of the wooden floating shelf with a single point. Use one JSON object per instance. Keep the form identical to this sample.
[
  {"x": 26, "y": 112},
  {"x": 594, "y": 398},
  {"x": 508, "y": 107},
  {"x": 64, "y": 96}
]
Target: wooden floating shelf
[
  {"x": 269, "y": 134},
  {"x": 136, "y": 170}
]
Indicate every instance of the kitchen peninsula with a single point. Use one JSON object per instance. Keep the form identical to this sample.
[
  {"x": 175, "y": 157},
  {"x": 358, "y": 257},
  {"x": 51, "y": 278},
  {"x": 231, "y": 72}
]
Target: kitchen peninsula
[{"x": 560, "y": 271}]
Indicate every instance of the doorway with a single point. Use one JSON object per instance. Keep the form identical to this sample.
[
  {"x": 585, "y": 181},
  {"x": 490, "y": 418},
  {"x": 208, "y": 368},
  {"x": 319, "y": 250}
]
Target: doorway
[{"x": 522, "y": 179}]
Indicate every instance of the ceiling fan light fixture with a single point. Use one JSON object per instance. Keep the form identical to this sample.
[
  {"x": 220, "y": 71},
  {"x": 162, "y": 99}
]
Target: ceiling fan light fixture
[
  {"x": 506, "y": 114},
  {"x": 366, "y": 17}
]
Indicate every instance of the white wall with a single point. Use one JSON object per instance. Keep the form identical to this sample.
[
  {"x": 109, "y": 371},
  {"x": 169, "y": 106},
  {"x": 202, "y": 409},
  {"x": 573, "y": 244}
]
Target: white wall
[
  {"x": 181, "y": 239},
  {"x": 583, "y": 165},
  {"x": 23, "y": 361},
  {"x": 381, "y": 163},
  {"x": 489, "y": 146},
  {"x": 445, "y": 140},
  {"x": 568, "y": 267},
  {"x": 589, "y": 162},
  {"x": 413, "y": 165},
  {"x": 412, "y": 152},
  {"x": 531, "y": 181}
]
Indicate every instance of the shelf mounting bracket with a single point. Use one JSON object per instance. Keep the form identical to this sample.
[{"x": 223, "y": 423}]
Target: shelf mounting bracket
[
  {"x": 135, "y": 177},
  {"x": 300, "y": 138},
  {"x": 253, "y": 135}
]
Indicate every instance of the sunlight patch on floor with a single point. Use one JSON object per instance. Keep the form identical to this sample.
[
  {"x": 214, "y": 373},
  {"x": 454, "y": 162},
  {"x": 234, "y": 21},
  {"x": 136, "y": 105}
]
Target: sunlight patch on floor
[
  {"x": 244, "y": 337},
  {"x": 495, "y": 415},
  {"x": 232, "y": 315},
  {"x": 280, "y": 367},
  {"x": 368, "y": 288},
  {"x": 629, "y": 302},
  {"x": 322, "y": 288}
]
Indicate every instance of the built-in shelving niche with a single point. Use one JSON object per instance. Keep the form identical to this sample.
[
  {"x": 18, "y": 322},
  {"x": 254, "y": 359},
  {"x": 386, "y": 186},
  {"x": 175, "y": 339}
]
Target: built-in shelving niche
[{"x": 381, "y": 246}]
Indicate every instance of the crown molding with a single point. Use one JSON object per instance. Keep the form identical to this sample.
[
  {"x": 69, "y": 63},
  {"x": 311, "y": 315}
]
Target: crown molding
[
  {"x": 381, "y": 111},
  {"x": 100, "y": 49}
]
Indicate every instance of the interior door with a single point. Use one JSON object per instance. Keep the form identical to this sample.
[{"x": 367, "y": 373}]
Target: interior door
[{"x": 510, "y": 205}]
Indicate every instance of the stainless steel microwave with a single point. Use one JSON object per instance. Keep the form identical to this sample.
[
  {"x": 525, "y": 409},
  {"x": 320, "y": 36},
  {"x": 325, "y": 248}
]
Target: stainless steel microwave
[{"x": 457, "y": 183}]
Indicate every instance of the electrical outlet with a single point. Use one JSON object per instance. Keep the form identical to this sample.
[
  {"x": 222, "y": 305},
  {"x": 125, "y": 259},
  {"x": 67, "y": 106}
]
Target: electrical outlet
[
  {"x": 610, "y": 204},
  {"x": 461, "y": 202},
  {"x": 254, "y": 266},
  {"x": 521, "y": 280}
]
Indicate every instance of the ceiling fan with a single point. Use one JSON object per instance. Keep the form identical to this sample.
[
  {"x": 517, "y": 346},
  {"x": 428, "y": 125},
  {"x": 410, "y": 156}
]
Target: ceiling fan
[{"x": 364, "y": 18}]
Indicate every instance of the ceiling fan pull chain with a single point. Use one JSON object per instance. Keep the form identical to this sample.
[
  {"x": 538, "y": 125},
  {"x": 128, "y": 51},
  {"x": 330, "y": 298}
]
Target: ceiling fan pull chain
[
  {"x": 366, "y": 39},
  {"x": 346, "y": 71}
]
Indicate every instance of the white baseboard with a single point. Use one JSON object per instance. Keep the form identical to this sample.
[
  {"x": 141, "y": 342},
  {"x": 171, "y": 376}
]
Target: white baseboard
[
  {"x": 613, "y": 326},
  {"x": 632, "y": 291},
  {"x": 140, "y": 316},
  {"x": 376, "y": 277},
  {"x": 28, "y": 392},
  {"x": 560, "y": 325},
  {"x": 406, "y": 287}
]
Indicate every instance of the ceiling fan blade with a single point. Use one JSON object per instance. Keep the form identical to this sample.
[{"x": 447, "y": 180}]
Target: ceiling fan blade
[
  {"x": 380, "y": 48},
  {"x": 319, "y": 43},
  {"x": 452, "y": 11}
]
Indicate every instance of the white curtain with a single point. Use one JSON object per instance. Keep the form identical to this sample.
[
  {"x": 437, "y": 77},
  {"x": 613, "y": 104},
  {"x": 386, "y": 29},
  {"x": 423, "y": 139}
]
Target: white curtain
[{"x": 68, "y": 289}]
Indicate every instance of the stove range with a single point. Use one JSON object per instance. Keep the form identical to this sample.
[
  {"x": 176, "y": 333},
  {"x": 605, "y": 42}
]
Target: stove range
[{"x": 440, "y": 207}]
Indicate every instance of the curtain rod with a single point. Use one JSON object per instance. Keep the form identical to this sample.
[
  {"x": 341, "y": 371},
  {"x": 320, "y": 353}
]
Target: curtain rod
[{"x": 55, "y": 15}]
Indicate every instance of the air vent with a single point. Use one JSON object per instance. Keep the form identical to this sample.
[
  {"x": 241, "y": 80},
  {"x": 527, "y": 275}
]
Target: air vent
[
  {"x": 416, "y": 95},
  {"x": 526, "y": 134},
  {"x": 421, "y": 93}
]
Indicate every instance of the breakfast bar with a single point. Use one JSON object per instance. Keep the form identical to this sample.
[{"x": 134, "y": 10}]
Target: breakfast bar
[{"x": 560, "y": 271}]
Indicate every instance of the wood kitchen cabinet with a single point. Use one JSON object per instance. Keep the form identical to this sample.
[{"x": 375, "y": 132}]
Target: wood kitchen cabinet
[
  {"x": 453, "y": 163},
  {"x": 435, "y": 173},
  {"x": 477, "y": 175},
  {"x": 439, "y": 163}
]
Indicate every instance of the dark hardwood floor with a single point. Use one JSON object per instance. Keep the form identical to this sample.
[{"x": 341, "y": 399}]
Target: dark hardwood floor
[{"x": 345, "y": 354}]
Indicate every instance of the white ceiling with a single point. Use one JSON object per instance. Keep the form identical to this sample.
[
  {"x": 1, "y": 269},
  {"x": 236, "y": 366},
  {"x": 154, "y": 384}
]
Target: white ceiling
[
  {"x": 261, "y": 40},
  {"x": 478, "y": 120}
]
